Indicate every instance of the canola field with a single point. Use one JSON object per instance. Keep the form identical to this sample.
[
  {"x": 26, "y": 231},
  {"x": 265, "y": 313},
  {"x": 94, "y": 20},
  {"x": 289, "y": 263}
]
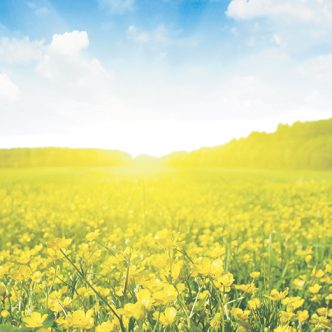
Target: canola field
[{"x": 206, "y": 250}]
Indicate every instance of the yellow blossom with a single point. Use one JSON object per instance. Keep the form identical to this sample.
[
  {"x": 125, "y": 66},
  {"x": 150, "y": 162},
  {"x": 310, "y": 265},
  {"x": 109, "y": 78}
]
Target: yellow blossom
[
  {"x": 81, "y": 319},
  {"x": 286, "y": 316},
  {"x": 246, "y": 288},
  {"x": 240, "y": 314},
  {"x": 4, "y": 313},
  {"x": 105, "y": 327},
  {"x": 293, "y": 303},
  {"x": 302, "y": 315},
  {"x": 145, "y": 298},
  {"x": 275, "y": 295},
  {"x": 321, "y": 321},
  {"x": 315, "y": 288},
  {"x": 216, "y": 320},
  {"x": 135, "y": 310},
  {"x": 34, "y": 320},
  {"x": 225, "y": 282},
  {"x": 59, "y": 243},
  {"x": 255, "y": 275},
  {"x": 166, "y": 318},
  {"x": 254, "y": 303}
]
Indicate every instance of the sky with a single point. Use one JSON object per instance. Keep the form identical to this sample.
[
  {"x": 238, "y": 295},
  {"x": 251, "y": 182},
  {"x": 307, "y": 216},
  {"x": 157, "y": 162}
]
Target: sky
[{"x": 156, "y": 76}]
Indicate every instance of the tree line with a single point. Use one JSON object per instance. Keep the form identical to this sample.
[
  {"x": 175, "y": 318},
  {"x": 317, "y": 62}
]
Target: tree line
[{"x": 303, "y": 145}]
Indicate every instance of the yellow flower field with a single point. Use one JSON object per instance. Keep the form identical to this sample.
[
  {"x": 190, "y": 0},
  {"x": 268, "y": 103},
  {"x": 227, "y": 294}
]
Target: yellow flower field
[{"x": 205, "y": 250}]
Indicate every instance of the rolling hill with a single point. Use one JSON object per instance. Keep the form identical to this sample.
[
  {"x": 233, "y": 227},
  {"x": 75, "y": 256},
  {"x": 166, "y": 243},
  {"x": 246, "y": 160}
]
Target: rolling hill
[{"x": 303, "y": 145}]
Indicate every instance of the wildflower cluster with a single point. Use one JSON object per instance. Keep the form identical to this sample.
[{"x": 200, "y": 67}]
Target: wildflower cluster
[{"x": 176, "y": 252}]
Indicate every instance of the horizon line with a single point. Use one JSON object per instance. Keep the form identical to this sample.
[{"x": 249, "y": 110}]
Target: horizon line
[{"x": 143, "y": 154}]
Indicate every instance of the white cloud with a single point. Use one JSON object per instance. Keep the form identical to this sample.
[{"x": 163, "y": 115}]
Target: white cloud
[
  {"x": 117, "y": 6},
  {"x": 70, "y": 43},
  {"x": 8, "y": 89},
  {"x": 141, "y": 37},
  {"x": 157, "y": 36},
  {"x": 24, "y": 50},
  {"x": 75, "y": 72},
  {"x": 72, "y": 73},
  {"x": 161, "y": 36},
  {"x": 302, "y": 10},
  {"x": 13, "y": 50}
]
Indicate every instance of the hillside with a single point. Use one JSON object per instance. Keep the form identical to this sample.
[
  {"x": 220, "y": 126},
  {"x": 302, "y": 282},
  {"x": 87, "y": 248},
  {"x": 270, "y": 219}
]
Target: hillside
[{"x": 303, "y": 145}]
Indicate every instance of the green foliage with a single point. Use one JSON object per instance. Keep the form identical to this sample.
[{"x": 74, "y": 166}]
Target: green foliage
[{"x": 305, "y": 145}]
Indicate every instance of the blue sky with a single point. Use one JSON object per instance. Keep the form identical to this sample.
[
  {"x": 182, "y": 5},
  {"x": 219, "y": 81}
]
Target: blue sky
[{"x": 154, "y": 76}]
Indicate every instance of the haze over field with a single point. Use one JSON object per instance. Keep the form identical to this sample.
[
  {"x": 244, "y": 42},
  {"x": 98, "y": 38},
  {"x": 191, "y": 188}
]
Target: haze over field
[{"x": 158, "y": 76}]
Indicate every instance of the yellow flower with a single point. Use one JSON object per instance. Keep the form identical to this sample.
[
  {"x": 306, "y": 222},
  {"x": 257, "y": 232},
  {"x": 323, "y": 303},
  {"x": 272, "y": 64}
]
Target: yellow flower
[
  {"x": 308, "y": 258},
  {"x": 254, "y": 303},
  {"x": 176, "y": 269},
  {"x": 63, "y": 322},
  {"x": 166, "y": 295},
  {"x": 145, "y": 298},
  {"x": 317, "y": 273},
  {"x": 23, "y": 272},
  {"x": 315, "y": 288},
  {"x": 255, "y": 275},
  {"x": 240, "y": 314},
  {"x": 216, "y": 320},
  {"x": 3, "y": 270},
  {"x": 81, "y": 319},
  {"x": 166, "y": 318},
  {"x": 103, "y": 291},
  {"x": 34, "y": 320},
  {"x": 59, "y": 243},
  {"x": 293, "y": 303},
  {"x": 4, "y": 313},
  {"x": 207, "y": 267},
  {"x": 275, "y": 295},
  {"x": 135, "y": 310},
  {"x": 298, "y": 283},
  {"x": 84, "y": 292},
  {"x": 225, "y": 282},
  {"x": 246, "y": 288},
  {"x": 57, "y": 305},
  {"x": 106, "y": 327},
  {"x": 322, "y": 311},
  {"x": 93, "y": 235},
  {"x": 320, "y": 321},
  {"x": 286, "y": 316},
  {"x": 302, "y": 315}
]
